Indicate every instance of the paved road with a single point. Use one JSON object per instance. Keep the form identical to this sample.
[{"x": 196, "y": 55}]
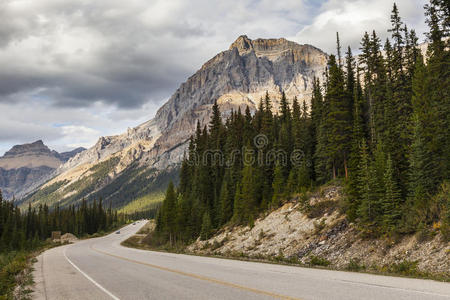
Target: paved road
[{"x": 102, "y": 269}]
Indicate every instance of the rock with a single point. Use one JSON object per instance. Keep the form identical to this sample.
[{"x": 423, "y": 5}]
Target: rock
[
  {"x": 68, "y": 238},
  {"x": 65, "y": 156},
  {"x": 339, "y": 242},
  {"x": 24, "y": 167},
  {"x": 237, "y": 77}
]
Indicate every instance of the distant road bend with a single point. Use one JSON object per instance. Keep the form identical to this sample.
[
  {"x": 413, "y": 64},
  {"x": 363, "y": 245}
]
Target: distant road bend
[{"x": 101, "y": 268}]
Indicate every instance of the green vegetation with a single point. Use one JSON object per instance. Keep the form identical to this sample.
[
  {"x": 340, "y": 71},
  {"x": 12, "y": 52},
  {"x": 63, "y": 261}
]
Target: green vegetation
[
  {"x": 354, "y": 265},
  {"x": 318, "y": 261},
  {"x": 21, "y": 233},
  {"x": 77, "y": 190},
  {"x": 146, "y": 202},
  {"x": 135, "y": 190},
  {"x": 382, "y": 127},
  {"x": 12, "y": 265},
  {"x": 90, "y": 183},
  {"x": 406, "y": 267},
  {"x": 136, "y": 183},
  {"x": 47, "y": 195}
]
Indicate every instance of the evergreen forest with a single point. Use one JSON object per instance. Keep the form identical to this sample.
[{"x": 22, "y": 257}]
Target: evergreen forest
[{"x": 378, "y": 123}]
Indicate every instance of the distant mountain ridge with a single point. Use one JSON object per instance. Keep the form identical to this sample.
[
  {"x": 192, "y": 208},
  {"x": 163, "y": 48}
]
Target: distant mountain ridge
[
  {"x": 235, "y": 78},
  {"x": 25, "y": 166},
  {"x": 65, "y": 156}
]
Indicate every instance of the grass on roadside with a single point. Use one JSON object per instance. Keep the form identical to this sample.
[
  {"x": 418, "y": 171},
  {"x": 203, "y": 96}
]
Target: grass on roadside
[
  {"x": 12, "y": 267},
  {"x": 16, "y": 271}
]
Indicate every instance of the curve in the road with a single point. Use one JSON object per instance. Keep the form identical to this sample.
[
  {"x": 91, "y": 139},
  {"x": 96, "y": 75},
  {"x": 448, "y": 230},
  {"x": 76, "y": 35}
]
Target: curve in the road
[
  {"x": 101, "y": 268},
  {"x": 196, "y": 276}
]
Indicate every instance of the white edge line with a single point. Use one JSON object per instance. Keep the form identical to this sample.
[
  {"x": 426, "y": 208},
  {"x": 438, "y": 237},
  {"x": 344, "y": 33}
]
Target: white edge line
[{"x": 89, "y": 277}]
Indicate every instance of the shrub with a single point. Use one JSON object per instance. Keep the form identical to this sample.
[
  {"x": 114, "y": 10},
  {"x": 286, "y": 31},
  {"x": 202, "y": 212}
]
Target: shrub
[
  {"x": 444, "y": 200},
  {"x": 318, "y": 261},
  {"x": 405, "y": 267},
  {"x": 423, "y": 233},
  {"x": 280, "y": 256},
  {"x": 261, "y": 234},
  {"x": 321, "y": 208},
  {"x": 11, "y": 265},
  {"x": 354, "y": 265},
  {"x": 216, "y": 245}
]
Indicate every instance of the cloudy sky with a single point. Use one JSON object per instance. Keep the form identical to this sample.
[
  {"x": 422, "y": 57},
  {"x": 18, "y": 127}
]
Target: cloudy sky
[{"x": 74, "y": 70}]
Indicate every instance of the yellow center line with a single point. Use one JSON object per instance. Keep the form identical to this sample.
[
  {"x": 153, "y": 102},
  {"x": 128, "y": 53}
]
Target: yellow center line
[{"x": 209, "y": 279}]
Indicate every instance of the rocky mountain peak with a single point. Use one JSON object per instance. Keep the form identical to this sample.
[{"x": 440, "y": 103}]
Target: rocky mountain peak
[
  {"x": 37, "y": 147},
  {"x": 240, "y": 74},
  {"x": 243, "y": 44},
  {"x": 236, "y": 78},
  {"x": 276, "y": 49},
  {"x": 27, "y": 166}
]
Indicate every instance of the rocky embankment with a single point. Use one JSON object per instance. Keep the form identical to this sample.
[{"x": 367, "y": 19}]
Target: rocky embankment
[{"x": 310, "y": 230}]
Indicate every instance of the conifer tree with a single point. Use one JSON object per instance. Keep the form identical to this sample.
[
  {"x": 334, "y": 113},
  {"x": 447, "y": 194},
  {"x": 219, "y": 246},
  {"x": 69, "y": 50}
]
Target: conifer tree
[
  {"x": 445, "y": 202},
  {"x": 316, "y": 106},
  {"x": 238, "y": 207},
  {"x": 350, "y": 78},
  {"x": 285, "y": 110},
  {"x": 358, "y": 136},
  {"x": 420, "y": 182},
  {"x": 438, "y": 73},
  {"x": 292, "y": 181},
  {"x": 206, "y": 227},
  {"x": 338, "y": 51},
  {"x": 322, "y": 161},
  {"x": 369, "y": 187},
  {"x": 392, "y": 198},
  {"x": 170, "y": 212},
  {"x": 249, "y": 191},
  {"x": 339, "y": 120},
  {"x": 277, "y": 186},
  {"x": 296, "y": 115},
  {"x": 226, "y": 199}
]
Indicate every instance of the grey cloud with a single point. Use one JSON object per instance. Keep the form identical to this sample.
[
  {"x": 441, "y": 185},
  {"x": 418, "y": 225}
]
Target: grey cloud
[
  {"x": 74, "y": 70},
  {"x": 126, "y": 53},
  {"x": 117, "y": 71},
  {"x": 22, "y": 132},
  {"x": 104, "y": 65}
]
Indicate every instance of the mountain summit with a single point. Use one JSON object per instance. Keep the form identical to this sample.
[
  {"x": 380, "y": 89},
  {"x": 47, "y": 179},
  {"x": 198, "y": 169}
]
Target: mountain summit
[
  {"x": 239, "y": 77},
  {"x": 133, "y": 164},
  {"x": 26, "y": 166}
]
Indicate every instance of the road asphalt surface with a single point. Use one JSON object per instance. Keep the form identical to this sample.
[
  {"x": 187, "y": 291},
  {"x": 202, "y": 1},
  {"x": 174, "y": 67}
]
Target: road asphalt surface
[{"x": 101, "y": 268}]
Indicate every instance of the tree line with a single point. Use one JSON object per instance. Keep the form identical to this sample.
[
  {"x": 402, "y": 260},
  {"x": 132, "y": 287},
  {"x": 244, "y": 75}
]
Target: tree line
[
  {"x": 26, "y": 230},
  {"x": 379, "y": 123}
]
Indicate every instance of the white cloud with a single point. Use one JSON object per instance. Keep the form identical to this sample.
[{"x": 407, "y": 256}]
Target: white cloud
[
  {"x": 351, "y": 18},
  {"x": 65, "y": 128},
  {"x": 78, "y": 136}
]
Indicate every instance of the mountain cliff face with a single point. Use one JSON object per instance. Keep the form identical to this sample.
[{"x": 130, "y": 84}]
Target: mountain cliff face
[
  {"x": 237, "y": 77},
  {"x": 29, "y": 165}
]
